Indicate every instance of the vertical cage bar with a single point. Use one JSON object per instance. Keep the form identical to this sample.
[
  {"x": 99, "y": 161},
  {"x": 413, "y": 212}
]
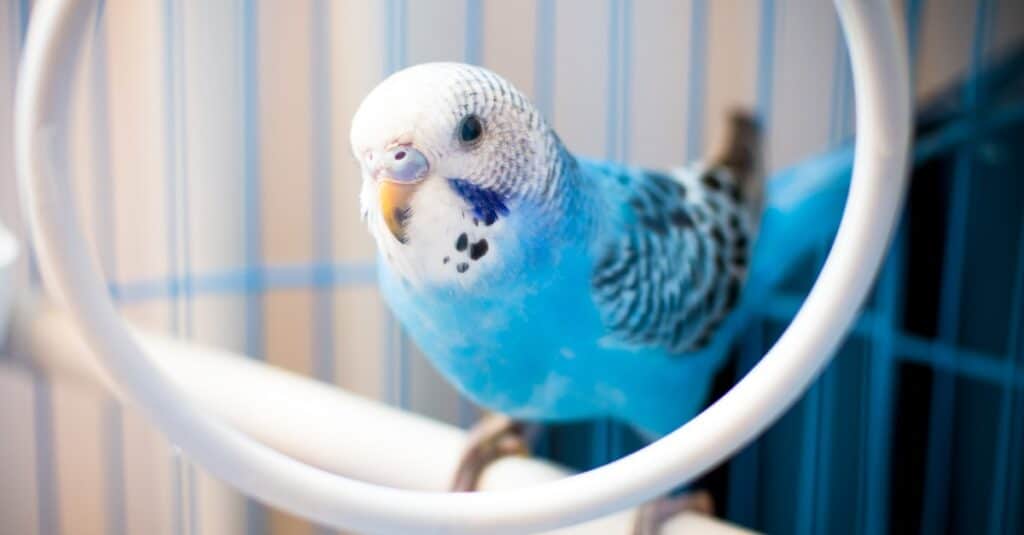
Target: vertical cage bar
[
  {"x": 177, "y": 494},
  {"x": 943, "y": 399},
  {"x": 253, "y": 176},
  {"x": 185, "y": 515},
  {"x": 321, "y": 201},
  {"x": 914, "y": 8},
  {"x": 544, "y": 59},
  {"x": 1016, "y": 443},
  {"x": 625, "y": 77},
  {"x": 940, "y": 425},
  {"x": 47, "y": 483},
  {"x": 745, "y": 467},
  {"x": 179, "y": 261},
  {"x": 171, "y": 169},
  {"x": 24, "y": 11},
  {"x": 698, "y": 42},
  {"x": 744, "y": 473},
  {"x": 474, "y": 32},
  {"x": 113, "y": 468},
  {"x": 182, "y": 177},
  {"x": 998, "y": 513},
  {"x": 805, "y": 499},
  {"x": 256, "y": 514},
  {"x": 613, "y": 99},
  {"x": 880, "y": 396},
  {"x": 823, "y": 469},
  {"x": 766, "y": 73}
]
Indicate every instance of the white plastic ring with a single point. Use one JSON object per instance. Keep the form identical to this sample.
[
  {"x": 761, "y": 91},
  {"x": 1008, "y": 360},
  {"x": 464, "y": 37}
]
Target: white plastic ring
[{"x": 879, "y": 61}]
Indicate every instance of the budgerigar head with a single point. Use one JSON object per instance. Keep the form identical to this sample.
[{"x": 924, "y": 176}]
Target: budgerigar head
[{"x": 446, "y": 147}]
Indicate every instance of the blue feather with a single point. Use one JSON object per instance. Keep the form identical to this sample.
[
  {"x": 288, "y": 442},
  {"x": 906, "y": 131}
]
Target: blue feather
[{"x": 487, "y": 204}]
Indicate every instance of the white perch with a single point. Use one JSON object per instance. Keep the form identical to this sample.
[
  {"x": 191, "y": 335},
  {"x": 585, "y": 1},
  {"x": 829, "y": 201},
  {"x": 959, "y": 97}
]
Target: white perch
[{"x": 314, "y": 422}]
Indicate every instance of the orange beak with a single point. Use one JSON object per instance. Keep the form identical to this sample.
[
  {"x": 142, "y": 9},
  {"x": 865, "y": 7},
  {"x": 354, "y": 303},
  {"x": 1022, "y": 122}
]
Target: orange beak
[{"x": 395, "y": 198}]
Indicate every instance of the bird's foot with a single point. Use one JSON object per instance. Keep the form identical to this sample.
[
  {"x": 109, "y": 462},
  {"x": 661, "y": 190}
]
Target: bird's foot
[
  {"x": 493, "y": 437},
  {"x": 651, "y": 516}
]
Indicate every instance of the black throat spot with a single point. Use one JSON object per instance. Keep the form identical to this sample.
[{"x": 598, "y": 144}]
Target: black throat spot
[{"x": 478, "y": 250}]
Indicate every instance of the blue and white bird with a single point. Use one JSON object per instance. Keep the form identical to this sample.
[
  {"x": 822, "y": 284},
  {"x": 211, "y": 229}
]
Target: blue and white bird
[{"x": 547, "y": 286}]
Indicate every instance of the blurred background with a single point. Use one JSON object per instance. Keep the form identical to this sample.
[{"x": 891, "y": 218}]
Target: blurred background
[{"x": 211, "y": 170}]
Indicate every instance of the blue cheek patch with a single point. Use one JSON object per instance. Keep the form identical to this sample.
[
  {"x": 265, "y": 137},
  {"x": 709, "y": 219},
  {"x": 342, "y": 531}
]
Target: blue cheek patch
[{"x": 487, "y": 204}]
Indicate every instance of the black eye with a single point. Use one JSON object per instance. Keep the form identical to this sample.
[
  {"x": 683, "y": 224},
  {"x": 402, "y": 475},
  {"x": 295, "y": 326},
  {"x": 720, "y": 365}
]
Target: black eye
[{"x": 470, "y": 129}]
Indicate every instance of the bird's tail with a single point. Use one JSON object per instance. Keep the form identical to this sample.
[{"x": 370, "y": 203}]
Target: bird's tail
[{"x": 741, "y": 154}]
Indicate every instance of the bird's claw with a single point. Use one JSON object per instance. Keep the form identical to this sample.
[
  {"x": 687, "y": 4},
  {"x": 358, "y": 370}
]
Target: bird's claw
[
  {"x": 651, "y": 516},
  {"x": 494, "y": 437}
]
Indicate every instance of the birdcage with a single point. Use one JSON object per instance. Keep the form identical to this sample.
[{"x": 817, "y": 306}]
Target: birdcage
[{"x": 208, "y": 163}]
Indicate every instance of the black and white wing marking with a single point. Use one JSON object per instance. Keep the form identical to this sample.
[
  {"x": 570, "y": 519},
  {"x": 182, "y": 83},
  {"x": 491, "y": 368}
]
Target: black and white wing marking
[{"x": 675, "y": 271}]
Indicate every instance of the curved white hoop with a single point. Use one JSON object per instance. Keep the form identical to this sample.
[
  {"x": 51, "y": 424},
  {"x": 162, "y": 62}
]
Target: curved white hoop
[{"x": 879, "y": 62}]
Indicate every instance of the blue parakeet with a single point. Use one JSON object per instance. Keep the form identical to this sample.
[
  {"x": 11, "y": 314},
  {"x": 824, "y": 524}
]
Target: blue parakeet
[{"x": 548, "y": 286}]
